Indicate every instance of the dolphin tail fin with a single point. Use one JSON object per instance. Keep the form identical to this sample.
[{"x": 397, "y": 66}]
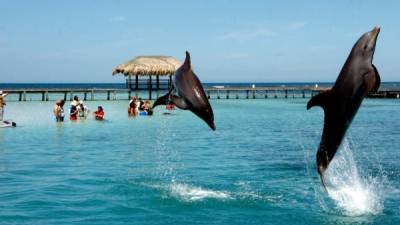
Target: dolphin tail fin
[
  {"x": 163, "y": 100},
  {"x": 320, "y": 99},
  {"x": 377, "y": 79}
]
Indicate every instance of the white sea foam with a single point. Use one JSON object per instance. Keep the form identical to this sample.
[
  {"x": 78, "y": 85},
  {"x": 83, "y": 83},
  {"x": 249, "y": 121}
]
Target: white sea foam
[
  {"x": 353, "y": 194},
  {"x": 248, "y": 192},
  {"x": 190, "y": 193}
]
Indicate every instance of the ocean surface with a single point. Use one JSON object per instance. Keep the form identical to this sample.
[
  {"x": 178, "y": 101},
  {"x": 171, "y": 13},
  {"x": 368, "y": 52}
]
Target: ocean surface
[{"x": 258, "y": 167}]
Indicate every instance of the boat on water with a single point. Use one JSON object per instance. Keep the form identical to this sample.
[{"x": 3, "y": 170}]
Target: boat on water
[{"x": 6, "y": 124}]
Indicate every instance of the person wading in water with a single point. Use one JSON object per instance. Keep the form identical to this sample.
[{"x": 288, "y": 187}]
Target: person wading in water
[{"x": 2, "y": 104}]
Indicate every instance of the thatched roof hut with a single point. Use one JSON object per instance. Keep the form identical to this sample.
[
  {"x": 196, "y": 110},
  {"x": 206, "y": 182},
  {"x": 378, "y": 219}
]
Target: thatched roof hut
[
  {"x": 143, "y": 68},
  {"x": 148, "y": 66}
]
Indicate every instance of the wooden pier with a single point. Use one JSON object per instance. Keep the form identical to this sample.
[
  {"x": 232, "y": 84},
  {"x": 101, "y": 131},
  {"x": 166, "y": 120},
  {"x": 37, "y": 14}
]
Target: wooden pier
[{"x": 211, "y": 92}]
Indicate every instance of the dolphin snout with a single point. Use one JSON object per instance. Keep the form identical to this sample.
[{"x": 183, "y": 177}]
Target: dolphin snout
[
  {"x": 375, "y": 32},
  {"x": 212, "y": 126},
  {"x": 373, "y": 37},
  {"x": 376, "y": 29}
]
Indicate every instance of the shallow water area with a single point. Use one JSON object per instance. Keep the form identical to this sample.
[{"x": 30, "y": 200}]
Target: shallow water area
[{"x": 258, "y": 167}]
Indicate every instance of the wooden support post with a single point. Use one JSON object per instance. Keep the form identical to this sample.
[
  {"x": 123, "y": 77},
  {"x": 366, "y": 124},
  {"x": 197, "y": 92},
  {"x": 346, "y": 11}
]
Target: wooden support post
[
  {"x": 304, "y": 94},
  {"x": 24, "y": 96},
  {"x": 275, "y": 94},
  {"x": 85, "y": 96},
  {"x": 170, "y": 82},
  {"x": 65, "y": 96},
  {"x": 114, "y": 95},
  {"x": 158, "y": 82},
  {"x": 266, "y": 93},
  {"x": 254, "y": 94},
  {"x": 247, "y": 94},
  {"x": 129, "y": 94},
  {"x": 92, "y": 95},
  {"x": 227, "y": 94},
  {"x": 218, "y": 95},
  {"x": 108, "y": 95},
  {"x": 70, "y": 96},
  {"x": 20, "y": 96},
  {"x": 150, "y": 87},
  {"x": 208, "y": 94},
  {"x": 286, "y": 93},
  {"x": 43, "y": 96}
]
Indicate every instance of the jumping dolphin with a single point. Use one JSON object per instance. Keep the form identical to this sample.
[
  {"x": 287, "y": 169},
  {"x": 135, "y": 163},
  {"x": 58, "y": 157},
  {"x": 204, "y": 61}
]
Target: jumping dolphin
[
  {"x": 189, "y": 92},
  {"x": 357, "y": 79}
]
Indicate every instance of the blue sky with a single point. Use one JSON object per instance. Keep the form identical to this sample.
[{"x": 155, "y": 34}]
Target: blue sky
[{"x": 235, "y": 41}]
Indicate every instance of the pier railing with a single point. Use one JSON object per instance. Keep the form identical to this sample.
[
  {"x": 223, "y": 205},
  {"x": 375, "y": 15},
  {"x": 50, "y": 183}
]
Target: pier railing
[{"x": 211, "y": 92}]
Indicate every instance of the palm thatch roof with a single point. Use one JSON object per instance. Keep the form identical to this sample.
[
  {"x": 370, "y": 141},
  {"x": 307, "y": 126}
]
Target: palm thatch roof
[{"x": 148, "y": 65}]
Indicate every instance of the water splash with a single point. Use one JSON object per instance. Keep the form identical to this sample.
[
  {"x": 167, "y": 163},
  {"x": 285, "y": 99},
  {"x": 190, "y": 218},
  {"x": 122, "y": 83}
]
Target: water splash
[
  {"x": 190, "y": 193},
  {"x": 353, "y": 194}
]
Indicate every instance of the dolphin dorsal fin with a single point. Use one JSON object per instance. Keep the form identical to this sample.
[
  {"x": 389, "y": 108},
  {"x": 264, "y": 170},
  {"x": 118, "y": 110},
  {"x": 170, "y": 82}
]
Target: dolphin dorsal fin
[
  {"x": 320, "y": 99},
  {"x": 187, "y": 64}
]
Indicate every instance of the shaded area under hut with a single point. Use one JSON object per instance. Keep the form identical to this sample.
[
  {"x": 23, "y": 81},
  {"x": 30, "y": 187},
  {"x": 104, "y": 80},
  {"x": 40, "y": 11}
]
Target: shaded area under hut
[{"x": 148, "y": 72}]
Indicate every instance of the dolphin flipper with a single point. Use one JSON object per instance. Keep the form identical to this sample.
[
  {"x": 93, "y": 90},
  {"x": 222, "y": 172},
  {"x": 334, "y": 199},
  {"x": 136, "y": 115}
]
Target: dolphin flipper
[
  {"x": 372, "y": 80},
  {"x": 320, "y": 99},
  {"x": 179, "y": 102},
  {"x": 377, "y": 79},
  {"x": 163, "y": 100}
]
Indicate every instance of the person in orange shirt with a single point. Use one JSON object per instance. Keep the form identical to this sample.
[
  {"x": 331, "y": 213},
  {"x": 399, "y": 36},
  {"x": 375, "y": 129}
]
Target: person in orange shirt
[{"x": 99, "y": 114}]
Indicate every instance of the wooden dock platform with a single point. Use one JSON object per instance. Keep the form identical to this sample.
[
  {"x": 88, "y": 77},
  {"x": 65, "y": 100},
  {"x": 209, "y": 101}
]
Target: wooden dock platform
[{"x": 211, "y": 92}]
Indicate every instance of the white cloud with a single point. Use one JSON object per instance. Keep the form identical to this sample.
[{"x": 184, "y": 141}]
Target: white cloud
[
  {"x": 254, "y": 33},
  {"x": 117, "y": 19}
]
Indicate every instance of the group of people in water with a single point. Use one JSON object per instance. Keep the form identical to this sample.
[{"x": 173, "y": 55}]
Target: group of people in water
[
  {"x": 77, "y": 111},
  {"x": 139, "y": 107}
]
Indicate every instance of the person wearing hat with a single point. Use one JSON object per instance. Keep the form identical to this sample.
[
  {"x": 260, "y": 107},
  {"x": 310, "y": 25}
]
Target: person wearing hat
[
  {"x": 58, "y": 110},
  {"x": 74, "y": 111},
  {"x": 2, "y": 104}
]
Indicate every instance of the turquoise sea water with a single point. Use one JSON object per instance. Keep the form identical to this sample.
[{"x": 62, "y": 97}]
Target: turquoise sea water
[{"x": 257, "y": 168}]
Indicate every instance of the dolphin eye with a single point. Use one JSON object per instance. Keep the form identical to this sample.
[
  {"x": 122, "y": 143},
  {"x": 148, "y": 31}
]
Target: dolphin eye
[{"x": 365, "y": 47}]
